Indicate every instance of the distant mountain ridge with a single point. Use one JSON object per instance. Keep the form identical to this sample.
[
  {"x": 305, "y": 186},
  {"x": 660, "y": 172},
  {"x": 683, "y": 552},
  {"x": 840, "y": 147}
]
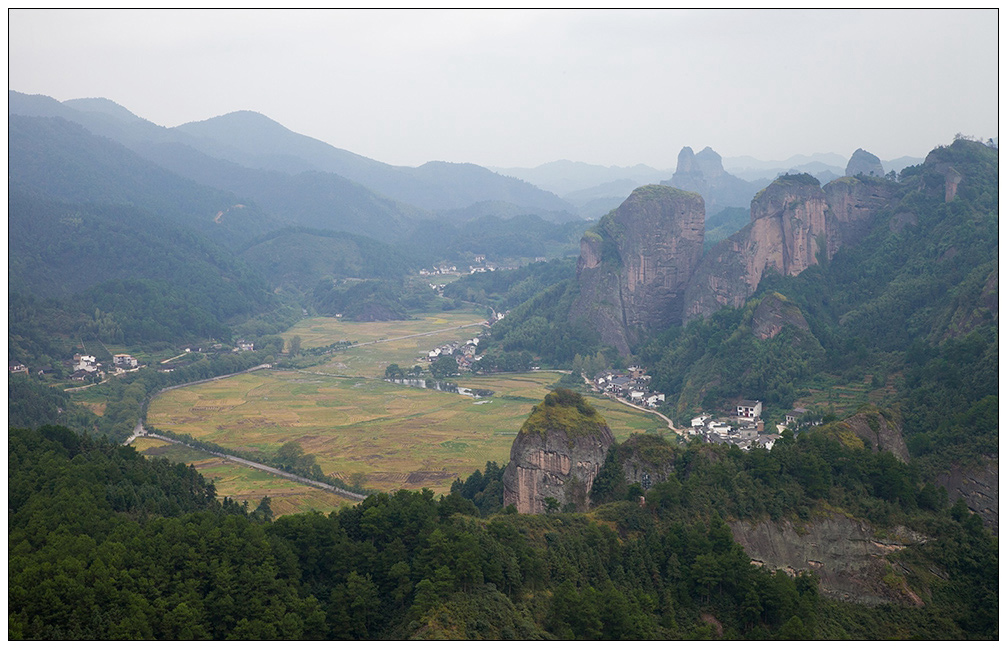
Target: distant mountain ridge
[{"x": 257, "y": 142}]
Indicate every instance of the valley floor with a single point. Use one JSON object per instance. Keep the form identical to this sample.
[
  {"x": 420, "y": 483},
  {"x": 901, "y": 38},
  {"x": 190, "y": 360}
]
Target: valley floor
[{"x": 361, "y": 428}]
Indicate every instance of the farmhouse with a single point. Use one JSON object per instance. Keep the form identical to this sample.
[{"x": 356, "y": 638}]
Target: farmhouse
[
  {"x": 124, "y": 360},
  {"x": 85, "y": 363},
  {"x": 747, "y": 409}
]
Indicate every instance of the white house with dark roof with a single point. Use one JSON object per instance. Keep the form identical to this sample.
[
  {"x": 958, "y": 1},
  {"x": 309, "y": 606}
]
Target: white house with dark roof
[{"x": 748, "y": 409}]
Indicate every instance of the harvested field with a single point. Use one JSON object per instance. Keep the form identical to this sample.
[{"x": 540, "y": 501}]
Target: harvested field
[
  {"x": 390, "y": 436},
  {"x": 244, "y": 484}
]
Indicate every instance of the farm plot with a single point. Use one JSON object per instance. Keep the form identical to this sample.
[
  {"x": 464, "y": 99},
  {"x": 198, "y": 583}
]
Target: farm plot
[
  {"x": 243, "y": 484},
  {"x": 367, "y": 431},
  {"x": 404, "y": 343}
]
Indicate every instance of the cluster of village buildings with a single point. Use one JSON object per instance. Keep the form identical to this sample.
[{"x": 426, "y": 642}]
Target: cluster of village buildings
[
  {"x": 82, "y": 367},
  {"x": 86, "y": 368},
  {"x": 632, "y": 386},
  {"x": 481, "y": 265},
  {"x": 464, "y": 353},
  {"x": 745, "y": 429}
]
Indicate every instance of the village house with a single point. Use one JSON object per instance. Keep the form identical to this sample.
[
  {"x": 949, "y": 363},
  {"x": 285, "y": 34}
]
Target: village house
[
  {"x": 747, "y": 409},
  {"x": 125, "y": 361},
  {"x": 85, "y": 363},
  {"x": 245, "y": 346},
  {"x": 768, "y": 440},
  {"x": 654, "y": 400},
  {"x": 700, "y": 421},
  {"x": 793, "y": 418},
  {"x": 17, "y": 368}
]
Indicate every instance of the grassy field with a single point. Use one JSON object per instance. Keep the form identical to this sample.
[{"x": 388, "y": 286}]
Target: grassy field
[
  {"x": 367, "y": 431},
  {"x": 371, "y": 359},
  {"x": 322, "y": 331},
  {"x": 244, "y": 484}
]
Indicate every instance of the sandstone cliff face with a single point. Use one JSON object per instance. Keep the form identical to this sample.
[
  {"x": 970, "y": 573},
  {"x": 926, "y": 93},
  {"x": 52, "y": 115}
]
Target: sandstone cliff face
[
  {"x": 865, "y": 163},
  {"x": 979, "y": 486},
  {"x": 852, "y": 205},
  {"x": 793, "y": 221},
  {"x": 786, "y": 234},
  {"x": 557, "y": 453},
  {"x": 633, "y": 269},
  {"x": 848, "y": 556},
  {"x": 882, "y": 433},
  {"x": 773, "y": 313}
]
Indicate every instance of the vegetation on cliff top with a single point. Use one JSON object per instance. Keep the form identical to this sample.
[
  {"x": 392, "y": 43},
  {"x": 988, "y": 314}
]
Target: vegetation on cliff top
[{"x": 566, "y": 411}]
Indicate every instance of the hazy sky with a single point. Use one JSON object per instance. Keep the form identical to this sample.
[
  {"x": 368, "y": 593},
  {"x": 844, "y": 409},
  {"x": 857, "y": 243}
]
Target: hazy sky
[{"x": 520, "y": 88}]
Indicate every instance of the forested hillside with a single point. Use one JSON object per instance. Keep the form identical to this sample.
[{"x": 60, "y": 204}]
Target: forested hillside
[
  {"x": 62, "y": 160},
  {"x": 108, "y": 545}
]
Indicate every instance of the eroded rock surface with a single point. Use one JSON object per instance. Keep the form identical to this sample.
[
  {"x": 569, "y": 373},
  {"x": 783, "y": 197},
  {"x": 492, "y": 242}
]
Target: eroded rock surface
[
  {"x": 557, "y": 454},
  {"x": 881, "y": 432},
  {"x": 786, "y": 234},
  {"x": 635, "y": 265},
  {"x": 853, "y": 204},
  {"x": 773, "y": 313},
  {"x": 853, "y": 561},
  {"x": 979, "y": 486},
  {"x": 864, "y": 163}
]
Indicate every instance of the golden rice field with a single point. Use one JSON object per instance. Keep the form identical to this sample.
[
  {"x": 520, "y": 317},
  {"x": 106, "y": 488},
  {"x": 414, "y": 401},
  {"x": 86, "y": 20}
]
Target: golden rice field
[
  {"x": 384, "y": 343},
  {"x": 361, "y": 428},
  {"x": 384, "y": 435},
  {"x": 244, "y": 484}
]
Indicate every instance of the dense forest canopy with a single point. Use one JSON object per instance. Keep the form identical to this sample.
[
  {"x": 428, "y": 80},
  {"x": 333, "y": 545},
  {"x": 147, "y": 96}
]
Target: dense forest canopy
[{"x": 108, "y": 545}]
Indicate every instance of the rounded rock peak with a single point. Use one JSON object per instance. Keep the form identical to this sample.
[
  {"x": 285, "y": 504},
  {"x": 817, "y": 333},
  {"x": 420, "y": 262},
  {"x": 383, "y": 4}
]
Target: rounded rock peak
[{"x": 865, "y": 163}]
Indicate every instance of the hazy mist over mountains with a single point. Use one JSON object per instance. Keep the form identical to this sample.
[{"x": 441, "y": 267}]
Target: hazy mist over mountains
[{"x": 244, "y": 151}]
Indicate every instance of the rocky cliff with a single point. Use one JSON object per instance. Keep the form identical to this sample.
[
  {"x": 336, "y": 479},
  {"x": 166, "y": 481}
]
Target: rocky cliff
[
  {"x": 853, "y": 204},
  {"x": 634, "y": 266},
  {"x": 978, "y": 484},
  {"x": 880, "y": 430},
  {"x": 864, "y": 163},
  {"x": 703, "y": 174},
  {"x": 854, "y": 562},
  {"x": 773, "y": 313},
  {"x": 786, "y": 233},
  {"x": 794, "y": 225},
  {"x": 557, "y": 454}
]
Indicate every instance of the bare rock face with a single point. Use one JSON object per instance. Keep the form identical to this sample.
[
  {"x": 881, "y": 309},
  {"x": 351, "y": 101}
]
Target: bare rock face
[
  {"x": 557, "y": 454},
  {"x": 979, "y": 486},
  {"x": 853, "y": 204},
  {"x": 773, "y": 313},
  {"x": 881, "y": 431},
  {"x": 634, "y": 266},
  {"x": 848, "y": 556},
  {"x": 787, "y": 232},
  {"x": 865, "y": 163}
]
